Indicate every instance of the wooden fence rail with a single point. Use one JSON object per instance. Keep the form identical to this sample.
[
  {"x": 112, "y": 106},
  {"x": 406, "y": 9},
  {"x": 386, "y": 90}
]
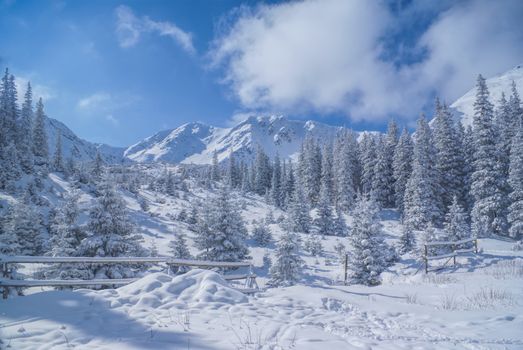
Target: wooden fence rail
[
  {"x": 5, "y": 281},
  {"x": 455, "y": 251}
]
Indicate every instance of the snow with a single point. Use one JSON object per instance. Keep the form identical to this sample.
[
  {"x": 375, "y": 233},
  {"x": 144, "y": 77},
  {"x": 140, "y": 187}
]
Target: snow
[
  {"x": 464, "y": 106},
  {"x": 475, "y": 305},
  {"x": 194, "y": 143}
]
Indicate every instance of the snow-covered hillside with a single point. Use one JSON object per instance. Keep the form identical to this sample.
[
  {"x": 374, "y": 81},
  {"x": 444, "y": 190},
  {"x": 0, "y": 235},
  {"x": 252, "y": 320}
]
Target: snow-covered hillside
[
  {"x": 475, "y": 305},
  {"x": 194, "y": 143},
  {"x": 80, "y": 149},
  {"x": 464, "y": 106}
]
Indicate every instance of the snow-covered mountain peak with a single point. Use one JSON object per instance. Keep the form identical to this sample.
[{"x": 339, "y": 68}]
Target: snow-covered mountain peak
[{"x": 464, "y": 106}]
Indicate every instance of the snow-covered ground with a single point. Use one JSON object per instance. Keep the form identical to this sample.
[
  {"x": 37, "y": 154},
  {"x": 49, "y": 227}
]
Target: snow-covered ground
[{"x": 476, "y": 305}]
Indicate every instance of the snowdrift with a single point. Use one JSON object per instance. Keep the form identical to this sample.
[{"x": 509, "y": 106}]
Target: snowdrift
[{"x": 194, "y": 288}]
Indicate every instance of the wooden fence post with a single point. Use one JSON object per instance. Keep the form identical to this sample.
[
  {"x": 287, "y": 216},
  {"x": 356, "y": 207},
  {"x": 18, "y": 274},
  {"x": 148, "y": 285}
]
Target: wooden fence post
[
  {"x": 5, "y": 274},
  {"x": 345, "y": 268},
  {"x": 454, "y": 251},
  {"x": 476, "y": 245}
]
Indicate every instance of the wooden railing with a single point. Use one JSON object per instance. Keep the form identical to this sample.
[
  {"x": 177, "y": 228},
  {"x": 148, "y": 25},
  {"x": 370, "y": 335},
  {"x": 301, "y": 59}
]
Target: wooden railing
[
  {"x": 455, "y": 252},
  {"x": 6, "y": 281}
]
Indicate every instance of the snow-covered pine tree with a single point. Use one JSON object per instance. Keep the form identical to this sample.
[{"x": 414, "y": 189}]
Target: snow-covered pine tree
[
  {"x": 25, "y": 130},
  {"x": 516, "y": 107},
  {"x": 383, "y": 185},
  {"x": 327, "y": 177},
  {"x": 407, "y": 240},
  {"x": 367, "y": 260},
  {"x": 368, "y": 162},
  {"x": 310, "y": 170},
  {"x": 313, "y": 245},
  {"x": 58, "y": 162},
  {"x": 402, "y": 168},
  {"x": 456, "y": 223},
  {"x": 65, "y": 241},
  {"x": 233, "y": 173},
  {"x": 110, "y": 233},
  {"x": 468, "y": 168},
  {"x": 10, "y": 167},
  {"x": 345, "y": 159},
  {"x": 262, "y": 234},
  {"x": 488, "y": 183},
  {"x": 287, "y": 265},
  {"x": 515, "y": 210},
  {"x": 40, "y": 145},
  {"x": 225, "y": 229},
  {"x": 421, "y": 195},
  {"x": 169, "y": 184},
  {"x": 262, "y": 172},
  {"x": 298, "y": 219},
  {"x": 289, "y": 185},
  {"x": 339, "y": 225},
  {"x": 178, "y": 247},
  {"x": 97, "y": 167},
  {"x": 449, "y": 158},
  {"x": 215, "y": 168},
  {"x": 276, "y": 190},
  {"x": 26, "y": 223},
  {"x": 324, "y": 223}
]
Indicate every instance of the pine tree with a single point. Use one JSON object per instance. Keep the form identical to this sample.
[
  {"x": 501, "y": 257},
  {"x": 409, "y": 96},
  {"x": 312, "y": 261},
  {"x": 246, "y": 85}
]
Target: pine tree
[
  {"x": 368, "y": 162},
  {"x": 98, "y": 165},
  {"x": 10, "y": 166},
  {"x": 324, "y": 221},
  {"x": 169, "y": 184},
  {"x": 402, "y": 168},
  {"x": 339, "y": 226},
  {"x": 298, "y": 219},
  {"x": 421, "y": 195},
  {"x": 327, "y": 177},
  {"x": 449, "y": 159},
  {"x": 276, "y": 190},
  {"x": 110, "y": 234},
  {"x": 313, "y": 245},
  {"x": 27, "y": 224},
  {"x": 287, "y": 265},
  {"x": 262, "y": 172},
  {"x": 310, "y": 170},
  {"x": 488, "y": 215},
  {"x": 58, "y": 163},
  {"x": 382, "y": 184},
  {"x": 456, "y": 225},
  {"x": 178, "y": 247},
  {"x": 40, "y": 145},
  {"x": 25, "y": 139},
  {"x": 367, "y": 260},
  {"x": 407, "y": 240},
  {"x": 225, "y": 230},
  {"x": 215, "y": 168},
  {"x": 233, "y": 174},
  {"x": 262, "y": 234},
  {"x": 515, "y": 210},
  {"x": 468, "y": 168},
  {"x": 344, "y": 173}
]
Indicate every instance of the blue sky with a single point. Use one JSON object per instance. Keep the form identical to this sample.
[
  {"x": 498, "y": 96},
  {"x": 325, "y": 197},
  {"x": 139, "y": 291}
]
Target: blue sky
[{"x": 118, "y": 71}]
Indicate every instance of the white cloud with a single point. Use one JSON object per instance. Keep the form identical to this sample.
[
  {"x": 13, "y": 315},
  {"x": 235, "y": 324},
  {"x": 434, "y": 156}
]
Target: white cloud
[
  {"x": 324, "y": 55},
  {"x": 129, "y": 28},
  {"x": 39, "y": 90},
  {"x": 113, "y": 120},
  {"x": 94, "y": 101}
]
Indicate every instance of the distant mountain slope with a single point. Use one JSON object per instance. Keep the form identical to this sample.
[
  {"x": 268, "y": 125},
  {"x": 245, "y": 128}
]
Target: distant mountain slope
[
  {"x": 464, "y": 106},
  {"x": 81, "y": 150},
  {"x": 194, "y": 143}
]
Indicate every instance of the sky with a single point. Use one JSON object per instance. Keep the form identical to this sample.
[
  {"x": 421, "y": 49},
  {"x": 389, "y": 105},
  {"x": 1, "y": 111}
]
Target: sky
[{"x": 119, "y": 71}]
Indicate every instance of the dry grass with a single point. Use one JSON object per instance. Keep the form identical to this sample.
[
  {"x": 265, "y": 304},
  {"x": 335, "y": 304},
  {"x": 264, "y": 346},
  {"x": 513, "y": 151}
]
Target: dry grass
[{"x": 506, "y": 269}]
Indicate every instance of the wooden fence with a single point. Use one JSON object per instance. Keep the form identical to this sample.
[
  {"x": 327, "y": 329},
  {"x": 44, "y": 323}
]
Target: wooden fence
[
  {"x": 6, "y": 281},
  {"x": 451, "y": 256}
]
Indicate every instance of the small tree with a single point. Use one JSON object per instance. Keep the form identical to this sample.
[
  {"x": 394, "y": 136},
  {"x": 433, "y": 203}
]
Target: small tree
[
  {"x": 313, "y": 245},
  {"x": 262, "y": 234},
  {"x": 456, "y": 226},
  {"x": 178, "y": 247},
  {"x": 368, "y": 258},
  {"x": 286, "y": 268},
  {"x": 407, "y": 241}
]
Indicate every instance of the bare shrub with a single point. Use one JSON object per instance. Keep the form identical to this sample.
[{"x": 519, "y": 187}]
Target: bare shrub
[
  {"x": 489, "y": 297},
  {"x": 506, "y": 269},
  {"x": 449, "y": 302},
  {"x": 411, "y": 298},
  {"x": 439, "y": 279}
]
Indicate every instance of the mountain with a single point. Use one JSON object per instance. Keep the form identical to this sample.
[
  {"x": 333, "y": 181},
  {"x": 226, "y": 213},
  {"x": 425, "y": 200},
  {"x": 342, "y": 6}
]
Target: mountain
[
  {"x": 464, "y": 106},
  {"x": 81, "y": 150},
  {"x": 194, "y": 143}
]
